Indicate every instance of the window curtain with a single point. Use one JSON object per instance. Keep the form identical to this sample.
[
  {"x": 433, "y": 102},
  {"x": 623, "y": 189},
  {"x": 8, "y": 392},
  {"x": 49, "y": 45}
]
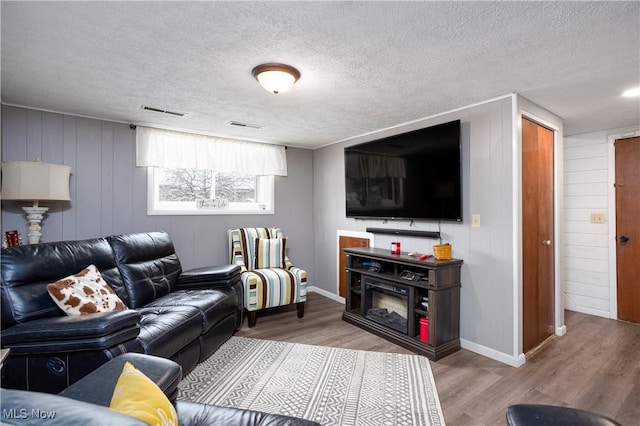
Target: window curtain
[{"x": 170, "y": 149}]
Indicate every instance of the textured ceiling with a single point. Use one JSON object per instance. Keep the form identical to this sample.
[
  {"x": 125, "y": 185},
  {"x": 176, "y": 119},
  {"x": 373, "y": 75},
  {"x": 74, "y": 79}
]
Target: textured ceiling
[{"x": 365, "y": 65}]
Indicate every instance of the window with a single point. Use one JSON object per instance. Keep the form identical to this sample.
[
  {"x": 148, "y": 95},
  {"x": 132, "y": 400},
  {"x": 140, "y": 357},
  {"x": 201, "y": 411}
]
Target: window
[
  {"x": 180, "y": 180},
  {"x": 204, "y": 192}
]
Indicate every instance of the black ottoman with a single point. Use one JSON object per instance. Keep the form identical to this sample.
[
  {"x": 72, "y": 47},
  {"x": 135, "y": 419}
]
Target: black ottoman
[
  {"x": 549, "y": 415},
  {"x": 165, "y": 373}
]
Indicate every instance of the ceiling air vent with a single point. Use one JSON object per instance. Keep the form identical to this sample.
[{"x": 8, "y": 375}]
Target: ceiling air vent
[
  {"x": 163, "y": 111},
  {"x": 250, "y": 126}
]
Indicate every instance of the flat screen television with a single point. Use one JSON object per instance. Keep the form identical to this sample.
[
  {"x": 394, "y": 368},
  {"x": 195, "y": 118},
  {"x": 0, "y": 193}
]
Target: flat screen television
[{"x": 413, "y": 175}]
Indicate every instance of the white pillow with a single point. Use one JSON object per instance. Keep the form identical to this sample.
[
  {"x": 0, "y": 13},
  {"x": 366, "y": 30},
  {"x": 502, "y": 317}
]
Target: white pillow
[{"x": 84, "y": 293}]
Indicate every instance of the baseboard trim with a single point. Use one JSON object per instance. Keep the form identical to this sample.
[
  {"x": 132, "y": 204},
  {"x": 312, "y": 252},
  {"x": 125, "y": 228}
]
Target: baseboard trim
[
  {"x": 513, "y": 361},
  {"x": 325, "y": 293}
]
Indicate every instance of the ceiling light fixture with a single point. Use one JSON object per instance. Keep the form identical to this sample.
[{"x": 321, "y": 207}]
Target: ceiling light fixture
[
  {"x": 631, "y": 92},
  {"x": 276, "y": 78}
]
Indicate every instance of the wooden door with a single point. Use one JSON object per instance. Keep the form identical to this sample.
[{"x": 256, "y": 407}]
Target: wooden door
[
  {"x": 627, "y": 186},
  {"x": 538, "y": 295},
  {"x": 345, "y": 242}
]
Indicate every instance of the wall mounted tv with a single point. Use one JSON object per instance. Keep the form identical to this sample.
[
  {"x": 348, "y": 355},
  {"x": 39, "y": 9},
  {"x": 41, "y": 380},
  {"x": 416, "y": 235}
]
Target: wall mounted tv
[{"x": 413, "y": 175}]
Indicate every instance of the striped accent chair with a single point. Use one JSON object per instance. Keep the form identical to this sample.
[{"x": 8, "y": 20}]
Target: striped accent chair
[{"x": 268, "y": 276}]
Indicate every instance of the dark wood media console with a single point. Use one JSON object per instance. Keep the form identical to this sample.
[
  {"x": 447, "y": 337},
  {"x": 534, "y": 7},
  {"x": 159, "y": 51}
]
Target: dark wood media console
[{"x": 388, "y": 294}]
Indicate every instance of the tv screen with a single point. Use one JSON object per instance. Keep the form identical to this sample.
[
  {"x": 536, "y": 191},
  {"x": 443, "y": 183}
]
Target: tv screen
[{"x": 413, "y": 175}]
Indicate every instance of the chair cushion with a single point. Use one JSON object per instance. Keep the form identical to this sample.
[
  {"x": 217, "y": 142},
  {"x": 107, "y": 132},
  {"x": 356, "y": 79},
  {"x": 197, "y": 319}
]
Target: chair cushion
[
  {"x": 270, "y": 253},
  {"x": 84, "y": 293},
  {"x": 267, "y": 288},
  {"x": 165, "y": 330},
  {"x": 213, "y": 305}
]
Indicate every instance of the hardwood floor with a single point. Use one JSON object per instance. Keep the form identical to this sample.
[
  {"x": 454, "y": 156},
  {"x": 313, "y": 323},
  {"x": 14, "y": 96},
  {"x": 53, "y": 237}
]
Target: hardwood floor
[{"x": 595, "y": 366}]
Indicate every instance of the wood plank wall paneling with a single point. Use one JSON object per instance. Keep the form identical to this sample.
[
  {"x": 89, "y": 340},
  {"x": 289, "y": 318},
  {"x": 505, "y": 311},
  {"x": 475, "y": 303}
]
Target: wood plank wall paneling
[
  {"x": 586, "y": 244},
  {"x": 109, "y": 193},
  {"x": 106, "y": 177},
  {"x": 487, "y": 309},
  {"x": 124, "y": 160},
  {"x": 69, "y": 148}
]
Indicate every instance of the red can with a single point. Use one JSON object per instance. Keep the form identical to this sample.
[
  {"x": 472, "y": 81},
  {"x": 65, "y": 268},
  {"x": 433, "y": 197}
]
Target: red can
[
  {"x": 424, "y": 329},
  {"x": 395, "y": 247}
]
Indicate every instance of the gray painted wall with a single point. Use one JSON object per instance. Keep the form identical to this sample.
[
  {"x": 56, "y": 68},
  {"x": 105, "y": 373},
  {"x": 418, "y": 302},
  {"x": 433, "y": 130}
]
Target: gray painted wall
[
  {"x": 487, "y": 308},
  {"x": 109, "y": 196},
  {"x": 108, "y": 192}
]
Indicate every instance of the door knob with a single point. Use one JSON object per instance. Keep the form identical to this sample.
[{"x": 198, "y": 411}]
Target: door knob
[
  {"x": 624, "y": 239},
  {"x": 547, "y": 242}
]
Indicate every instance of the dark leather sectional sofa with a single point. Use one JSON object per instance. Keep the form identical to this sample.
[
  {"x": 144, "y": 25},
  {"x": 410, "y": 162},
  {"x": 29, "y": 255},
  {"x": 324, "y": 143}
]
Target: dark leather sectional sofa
[
  {"x": 180, "y": 315},
  {"x": 86, "y": 402}
]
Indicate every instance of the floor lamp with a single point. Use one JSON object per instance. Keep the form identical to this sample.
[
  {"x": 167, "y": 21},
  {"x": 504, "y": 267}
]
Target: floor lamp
[{"x": 35, "y": 181}]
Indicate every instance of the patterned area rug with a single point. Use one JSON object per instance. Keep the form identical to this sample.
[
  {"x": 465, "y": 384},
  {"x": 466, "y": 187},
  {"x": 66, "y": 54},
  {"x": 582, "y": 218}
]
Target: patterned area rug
[{"x": 328, "y": 385}]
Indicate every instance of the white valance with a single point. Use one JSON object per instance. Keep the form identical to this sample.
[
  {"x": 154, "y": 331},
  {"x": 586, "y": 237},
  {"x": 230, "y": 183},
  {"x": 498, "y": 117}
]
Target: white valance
[{"x": 170, "y": 149}]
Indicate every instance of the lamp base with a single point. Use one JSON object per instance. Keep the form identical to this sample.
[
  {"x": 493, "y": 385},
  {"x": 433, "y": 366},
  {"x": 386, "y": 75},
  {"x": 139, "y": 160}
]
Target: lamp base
[{"x": 34, "y": 217}]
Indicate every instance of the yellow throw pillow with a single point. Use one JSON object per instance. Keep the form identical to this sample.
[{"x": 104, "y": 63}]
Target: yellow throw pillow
[{"x": 138, "y": 396}]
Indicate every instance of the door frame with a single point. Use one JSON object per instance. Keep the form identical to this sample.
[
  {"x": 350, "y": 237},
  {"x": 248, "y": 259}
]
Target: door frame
[
  {"x": 612, "y": 213},
  {"x": 558, "y": 217}
]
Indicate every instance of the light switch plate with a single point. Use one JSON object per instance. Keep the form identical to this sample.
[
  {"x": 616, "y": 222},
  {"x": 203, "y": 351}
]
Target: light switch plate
[
  {"x": 597, "y": 217},
  {"x": 475, "y": 220}
]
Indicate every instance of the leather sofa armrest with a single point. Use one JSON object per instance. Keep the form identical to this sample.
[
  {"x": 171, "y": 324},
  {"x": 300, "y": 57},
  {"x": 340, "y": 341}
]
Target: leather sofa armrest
[
  {"x": 94, "y": 331},
  {"x": 36, "y": 408},
  {"x": 195, "y": 414},
  {"x": 97, "y": 387},
  {"x": 209, "y": 277}
]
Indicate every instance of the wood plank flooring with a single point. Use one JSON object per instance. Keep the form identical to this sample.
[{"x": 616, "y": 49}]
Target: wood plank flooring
[{"x": 595, "y": 366}]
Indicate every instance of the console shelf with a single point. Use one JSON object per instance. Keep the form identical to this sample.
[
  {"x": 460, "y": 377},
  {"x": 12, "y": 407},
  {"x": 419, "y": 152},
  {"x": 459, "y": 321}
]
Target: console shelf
[{"x": 372, "y": 273}]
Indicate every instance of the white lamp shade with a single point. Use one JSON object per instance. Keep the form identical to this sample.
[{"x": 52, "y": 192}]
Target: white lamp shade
[{"x": 35, "y": 180}]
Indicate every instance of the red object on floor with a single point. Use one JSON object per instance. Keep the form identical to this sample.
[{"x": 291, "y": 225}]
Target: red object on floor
[{"x": 424, "y": 329}]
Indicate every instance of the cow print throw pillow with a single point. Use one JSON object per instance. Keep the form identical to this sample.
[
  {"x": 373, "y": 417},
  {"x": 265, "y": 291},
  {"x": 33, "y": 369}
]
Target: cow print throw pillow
[{"x": 84, "y": 293}]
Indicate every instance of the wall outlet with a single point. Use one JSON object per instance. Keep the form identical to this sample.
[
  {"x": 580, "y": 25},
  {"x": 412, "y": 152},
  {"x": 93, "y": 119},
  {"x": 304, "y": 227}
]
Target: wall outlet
[
  {"x": 475, "y": 220},
  {"x": 597, "y": 217}
]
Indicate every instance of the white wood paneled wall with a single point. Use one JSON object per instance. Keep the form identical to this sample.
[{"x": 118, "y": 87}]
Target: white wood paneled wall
[
  {"x": 586, "y": 244},
  {"x": 589, "y": 268}
]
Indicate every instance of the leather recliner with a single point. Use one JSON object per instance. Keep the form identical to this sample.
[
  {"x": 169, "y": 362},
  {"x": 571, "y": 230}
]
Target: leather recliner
[{"x": 181, "y": 315}]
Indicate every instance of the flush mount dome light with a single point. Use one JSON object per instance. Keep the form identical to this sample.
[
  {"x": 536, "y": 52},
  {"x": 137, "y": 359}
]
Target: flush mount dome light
[{"x": 276, "y": 78}]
